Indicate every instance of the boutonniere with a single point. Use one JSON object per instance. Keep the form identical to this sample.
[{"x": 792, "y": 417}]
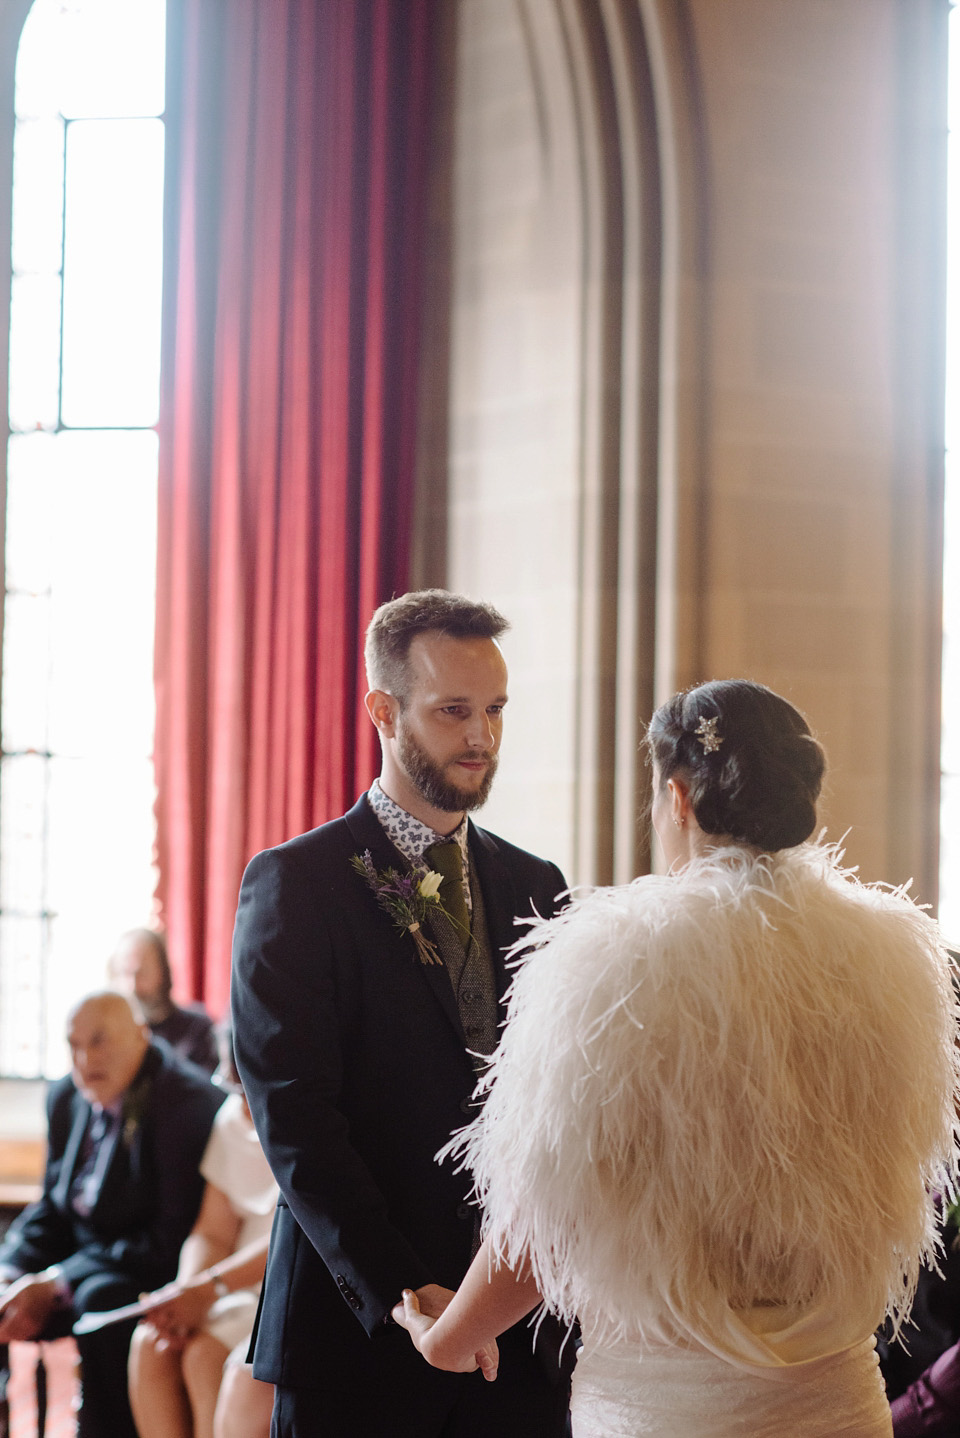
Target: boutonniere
[
  {"x": 134, "y": 1107},
  {"x": 407, "y": 898}
]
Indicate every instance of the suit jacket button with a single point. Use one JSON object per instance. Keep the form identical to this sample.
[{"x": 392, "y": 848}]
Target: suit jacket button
[
  {"x": 465, "y": 1210},
  {"x": 466, "y": 1105},
  {"x": 353, "y": 1298}
]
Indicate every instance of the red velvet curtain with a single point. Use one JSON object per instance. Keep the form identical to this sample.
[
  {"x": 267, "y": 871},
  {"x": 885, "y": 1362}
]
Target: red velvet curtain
[{"x": 296, "y": 159}]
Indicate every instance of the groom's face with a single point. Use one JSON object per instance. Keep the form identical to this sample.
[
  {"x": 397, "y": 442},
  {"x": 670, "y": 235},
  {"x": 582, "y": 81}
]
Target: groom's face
[{"x": 447, "y": 733}]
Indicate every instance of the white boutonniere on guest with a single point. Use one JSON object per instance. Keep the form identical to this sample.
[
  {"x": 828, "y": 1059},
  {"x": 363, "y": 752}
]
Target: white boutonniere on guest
[{"x": 407, "y": 897}]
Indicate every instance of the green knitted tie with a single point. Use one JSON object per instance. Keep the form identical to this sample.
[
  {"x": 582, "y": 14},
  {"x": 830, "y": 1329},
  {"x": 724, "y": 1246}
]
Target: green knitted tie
[{"x": 447, "y": 859}]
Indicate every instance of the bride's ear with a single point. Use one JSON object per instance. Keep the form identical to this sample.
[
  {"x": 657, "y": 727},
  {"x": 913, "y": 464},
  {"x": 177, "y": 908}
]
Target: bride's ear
[{"x": 680, "y": 807}]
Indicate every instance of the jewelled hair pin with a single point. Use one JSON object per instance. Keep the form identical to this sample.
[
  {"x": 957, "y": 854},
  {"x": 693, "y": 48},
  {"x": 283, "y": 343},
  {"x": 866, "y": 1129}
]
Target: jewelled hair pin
[{"x": 706, "y": 732}]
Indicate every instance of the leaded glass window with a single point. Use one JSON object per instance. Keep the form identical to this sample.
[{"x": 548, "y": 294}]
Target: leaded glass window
[{"x": 76, "y": 719}]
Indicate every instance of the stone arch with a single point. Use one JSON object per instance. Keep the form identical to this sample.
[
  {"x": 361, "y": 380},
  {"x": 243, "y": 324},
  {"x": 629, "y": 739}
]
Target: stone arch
[{"x": 573, "y": 480}]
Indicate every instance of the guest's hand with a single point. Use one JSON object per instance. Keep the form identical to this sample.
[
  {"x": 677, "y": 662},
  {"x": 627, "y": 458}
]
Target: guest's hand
[
  {"x": 25, "y": 1307},
  {"x": 185, "y": 1305},
  {"x": 409, "y": 1314}
]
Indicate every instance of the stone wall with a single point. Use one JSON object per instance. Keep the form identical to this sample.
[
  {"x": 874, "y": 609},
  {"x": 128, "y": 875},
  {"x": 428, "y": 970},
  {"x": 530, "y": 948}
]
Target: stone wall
[{"x": 791, "y": 168}]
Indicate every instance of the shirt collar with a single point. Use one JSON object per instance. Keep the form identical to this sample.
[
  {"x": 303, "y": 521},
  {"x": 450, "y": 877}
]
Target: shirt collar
[
  {"x": 112, "y": 1110},
  {"x": 408, "y": 834}
]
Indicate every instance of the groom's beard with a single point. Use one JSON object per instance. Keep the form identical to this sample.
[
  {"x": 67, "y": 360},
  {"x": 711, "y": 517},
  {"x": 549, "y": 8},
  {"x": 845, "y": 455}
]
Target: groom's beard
[{"x": 430, "y": 779}]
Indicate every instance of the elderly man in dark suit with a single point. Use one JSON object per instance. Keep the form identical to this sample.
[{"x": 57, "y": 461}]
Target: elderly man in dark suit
[
  {"x": 363, "y": 1008},
  {"x": 126, "y": 1133}
]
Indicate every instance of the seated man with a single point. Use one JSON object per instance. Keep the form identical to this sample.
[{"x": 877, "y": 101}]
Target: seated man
[
  {"x": 140, "y": 966},
  {"x": 126, "y": 1133}
]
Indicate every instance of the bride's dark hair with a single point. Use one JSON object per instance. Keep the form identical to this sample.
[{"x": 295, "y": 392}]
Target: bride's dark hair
[{"x": 761, "y": 783}]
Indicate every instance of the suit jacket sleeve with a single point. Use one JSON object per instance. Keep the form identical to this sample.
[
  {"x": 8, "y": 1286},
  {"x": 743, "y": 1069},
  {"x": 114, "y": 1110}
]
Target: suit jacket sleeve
[
  {"x": 288, "y": 1046},
  {"x": 42, "y": 1234}
]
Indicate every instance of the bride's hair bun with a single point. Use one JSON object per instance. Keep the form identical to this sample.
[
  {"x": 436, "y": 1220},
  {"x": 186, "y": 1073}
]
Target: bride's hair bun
[{"x": 753, "y": 767}]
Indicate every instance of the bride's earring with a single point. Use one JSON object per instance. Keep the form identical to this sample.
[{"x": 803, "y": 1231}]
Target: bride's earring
[{"x": 678, "y": 822}]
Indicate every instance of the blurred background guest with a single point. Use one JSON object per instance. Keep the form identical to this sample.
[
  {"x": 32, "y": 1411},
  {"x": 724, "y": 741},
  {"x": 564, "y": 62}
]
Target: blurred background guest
[
  {"x": 126, "y": 1132},
  {"x": 140, "y": 966}
]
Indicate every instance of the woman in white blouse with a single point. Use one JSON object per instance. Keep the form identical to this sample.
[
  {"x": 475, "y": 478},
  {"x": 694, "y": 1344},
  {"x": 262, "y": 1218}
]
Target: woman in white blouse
[{"x": 187, "y": 1372}]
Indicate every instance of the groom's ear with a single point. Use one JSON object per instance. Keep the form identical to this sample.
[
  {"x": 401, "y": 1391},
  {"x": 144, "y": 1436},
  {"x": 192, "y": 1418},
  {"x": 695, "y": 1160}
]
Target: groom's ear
[{"x": 382, "y": 708}]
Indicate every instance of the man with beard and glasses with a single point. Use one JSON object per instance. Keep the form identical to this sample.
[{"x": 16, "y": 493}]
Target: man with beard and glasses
[{"x": 369, "y": 977}]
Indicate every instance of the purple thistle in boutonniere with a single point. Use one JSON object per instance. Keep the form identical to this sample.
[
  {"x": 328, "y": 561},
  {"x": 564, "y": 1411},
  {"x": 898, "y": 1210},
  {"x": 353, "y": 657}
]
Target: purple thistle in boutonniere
[{"x": 407, "y": 898}]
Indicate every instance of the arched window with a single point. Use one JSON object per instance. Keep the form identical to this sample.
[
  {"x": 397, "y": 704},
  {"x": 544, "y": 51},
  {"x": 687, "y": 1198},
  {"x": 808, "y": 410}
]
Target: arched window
[{"x": 76, "y": 720}]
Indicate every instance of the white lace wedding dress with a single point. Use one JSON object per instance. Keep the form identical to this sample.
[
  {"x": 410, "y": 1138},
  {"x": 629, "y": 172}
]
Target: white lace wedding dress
[{"x": 719, "y": 1108}]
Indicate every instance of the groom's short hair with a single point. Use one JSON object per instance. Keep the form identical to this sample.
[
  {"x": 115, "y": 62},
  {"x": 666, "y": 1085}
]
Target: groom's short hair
[{"x": 397, "y": 623}]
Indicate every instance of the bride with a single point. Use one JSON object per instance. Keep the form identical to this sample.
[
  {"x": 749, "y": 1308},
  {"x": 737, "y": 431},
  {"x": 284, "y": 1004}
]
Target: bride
[{"x": 720, "y": 1104}]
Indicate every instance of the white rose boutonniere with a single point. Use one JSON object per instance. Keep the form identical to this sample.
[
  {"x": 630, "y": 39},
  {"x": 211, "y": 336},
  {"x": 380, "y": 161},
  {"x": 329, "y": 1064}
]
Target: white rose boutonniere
[
  {"x": 406, "y": 898},
  {"x": 429, "y": 885}
]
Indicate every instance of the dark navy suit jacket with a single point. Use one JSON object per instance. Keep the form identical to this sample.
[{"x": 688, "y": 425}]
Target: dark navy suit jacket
[{"x": 357, "y": 1071}]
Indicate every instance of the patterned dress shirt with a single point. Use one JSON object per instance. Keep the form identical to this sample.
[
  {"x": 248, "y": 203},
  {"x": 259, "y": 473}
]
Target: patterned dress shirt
[{"x": 413, "y": 838}]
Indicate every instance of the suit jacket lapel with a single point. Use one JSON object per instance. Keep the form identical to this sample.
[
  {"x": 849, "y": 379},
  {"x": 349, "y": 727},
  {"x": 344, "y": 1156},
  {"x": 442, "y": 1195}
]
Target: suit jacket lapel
[
  {"x": 107, "y": 1163},
  {"x": 368, "y": 833},
  {"x": 71, "y": 1153},
  {"x": 499, "y": 898}
]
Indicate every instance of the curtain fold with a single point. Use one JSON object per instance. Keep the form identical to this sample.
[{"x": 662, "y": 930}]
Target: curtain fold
[{"x": 297, "y": 151}]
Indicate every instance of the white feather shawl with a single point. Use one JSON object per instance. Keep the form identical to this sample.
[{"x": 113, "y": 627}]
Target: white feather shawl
[{"x": 724, "y": 1091}]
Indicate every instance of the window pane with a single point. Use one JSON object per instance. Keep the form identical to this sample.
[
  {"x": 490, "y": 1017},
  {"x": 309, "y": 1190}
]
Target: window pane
[
  {"x": 92, "y": 57},
  {"x": 103, "y": 541},
  {"x": 76, "y": 819},
  {"x": 73, "y": 495},
  {"x": 22, "y": 996},
  {"x": 34, "y": 352},
  {"x": 31, "y": 511},
  {"x": 38, "y": 196},
  {"x": 76, "y": 831},
  {"x": 37, "y": 88},
  {"x": 26, "y": 674},
  {"x": 112, "y": 272},
  {"x": 82, "y": 525},
  {"x": 23, "y": 782},
  {"x": 101, "y": 827}
]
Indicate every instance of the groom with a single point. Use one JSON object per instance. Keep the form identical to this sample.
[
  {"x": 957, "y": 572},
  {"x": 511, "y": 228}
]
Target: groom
[{"x": 359, "y": 1054}]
